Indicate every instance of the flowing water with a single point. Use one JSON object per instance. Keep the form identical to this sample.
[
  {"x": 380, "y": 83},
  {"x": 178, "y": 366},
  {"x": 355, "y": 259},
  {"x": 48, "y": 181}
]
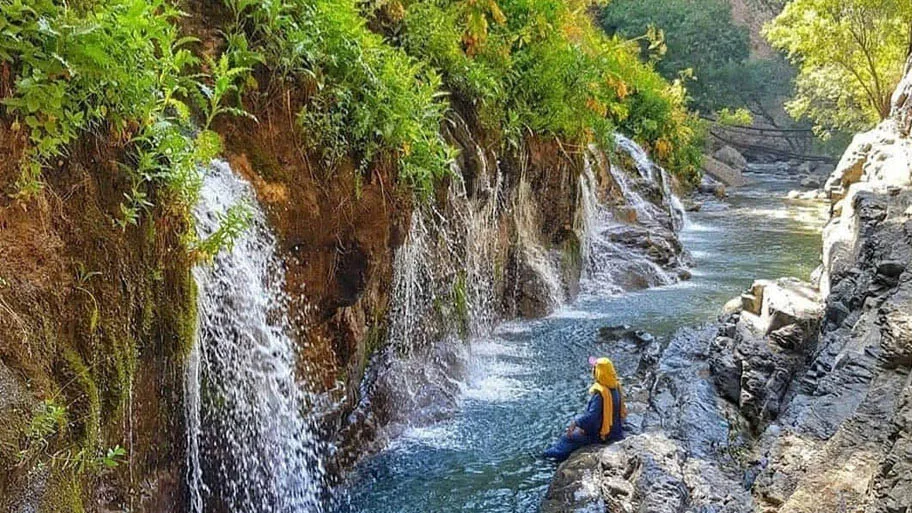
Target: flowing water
[
  {"x": 527, "y": 379},
  {"x": 251, "y": 448}
]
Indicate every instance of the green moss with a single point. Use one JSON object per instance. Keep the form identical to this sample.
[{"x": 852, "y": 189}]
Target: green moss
[
  {"x": 459, "y": 296},
  {"x": 65, "y": 493},
  {"x": 572, "y": 252},
  {"x": 185, "y": 314},
  {"x": 92, "y": 417},
  {"x": 266, "y": 163},
  {"x": 125, "y": 355}
]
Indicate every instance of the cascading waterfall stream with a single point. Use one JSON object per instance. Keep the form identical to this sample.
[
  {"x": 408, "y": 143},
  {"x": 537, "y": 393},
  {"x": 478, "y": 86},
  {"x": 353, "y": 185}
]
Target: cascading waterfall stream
[
  {"x": 610, "y": 263},
  {"x": 251, "y": 449},
  {"x": 527, "y": 378},
  {"x": 442, "y": 293},
  {"x": 536, "y": 256},
  {"x": 647, "y": 171}
]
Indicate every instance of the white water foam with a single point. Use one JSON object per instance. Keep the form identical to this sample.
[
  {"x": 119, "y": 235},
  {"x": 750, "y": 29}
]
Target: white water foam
[
  {"x": 611, "y": 265},
  {"x": 251, "y": 447}
]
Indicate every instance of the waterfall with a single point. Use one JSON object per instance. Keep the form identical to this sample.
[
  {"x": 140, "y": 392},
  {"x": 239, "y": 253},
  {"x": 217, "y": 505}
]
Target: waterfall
[
  {"x": 644, "y": 165},
  {"x": 619, "y": 249},
  {"x": 646, "y": 168},
  {"x": 587, "y": 214},
  {"x": 542, "y": 263},
  {"x": 251, "y": 447},
  {"x": 673, "y": 202},
  {"x": 443, "y": 293},
  {"x": 443, "y": 274}
]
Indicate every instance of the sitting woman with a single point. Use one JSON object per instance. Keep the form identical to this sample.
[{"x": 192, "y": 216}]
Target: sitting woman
[{"x": 603, "y": 419}]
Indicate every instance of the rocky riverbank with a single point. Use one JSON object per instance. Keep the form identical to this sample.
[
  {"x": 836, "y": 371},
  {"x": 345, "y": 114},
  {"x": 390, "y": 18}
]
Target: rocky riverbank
[{"x": 800, "y": 399}]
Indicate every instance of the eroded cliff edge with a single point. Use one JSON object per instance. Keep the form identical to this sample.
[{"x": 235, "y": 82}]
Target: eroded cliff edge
[{"x": 803, "y": 396}]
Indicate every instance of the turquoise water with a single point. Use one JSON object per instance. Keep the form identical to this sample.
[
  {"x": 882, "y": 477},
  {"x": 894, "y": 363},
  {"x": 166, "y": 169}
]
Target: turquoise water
[{"x": 529, "y": 378}]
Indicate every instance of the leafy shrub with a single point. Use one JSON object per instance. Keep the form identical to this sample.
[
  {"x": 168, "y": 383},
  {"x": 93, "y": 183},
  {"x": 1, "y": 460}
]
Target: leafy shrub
[
  {"x": 372, "y": 97},
  {"x": 541, "y": 66},
  {"x": 526, "y": 65},
  {"x": 115, "y": 68},
  {"x": 735, "y": 117}
]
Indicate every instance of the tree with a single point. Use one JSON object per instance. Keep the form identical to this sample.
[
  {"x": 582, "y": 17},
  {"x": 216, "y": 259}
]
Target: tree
[
  {"x": 701, "y": 36},
  {"x": 849, "y": 54}
]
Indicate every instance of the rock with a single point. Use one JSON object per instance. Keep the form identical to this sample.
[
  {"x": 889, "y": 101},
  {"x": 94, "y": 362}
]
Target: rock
[
  {"x": 618, "y": 332},
  {"x": 537, "y": 292},
  {"x": 723, "y": 172},
  {"x": 731, "y": 157},
  {"x": 850, "y": 167},
  {"x": 646, "y": 472},
  {"x": 902, "y": 104},
  {"x": 692, "y": 206},
  {"x": 791, "y": 336},
  {"x": 816, "y": 274},
  {"x": 895, "y": 316},
  {"x": 733, "y": 305},
  {"x": 823, "y": 169},
  {"x": 726, "y": 368},
  {"x": 643, "y": 337},
  {"x": 891, "y": 268},
  {"x": 625, "y": 332},
  {"x": 751, "y": 303},
  {"x": 812, "y": 182},
  {"x": 806, "y": 195},
  {"x": 787, "y": 301},
  {"x": 715, "y": 189}
]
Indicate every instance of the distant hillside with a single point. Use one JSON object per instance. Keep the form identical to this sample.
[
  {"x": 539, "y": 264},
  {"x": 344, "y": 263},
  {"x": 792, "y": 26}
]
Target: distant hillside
[{"x": 753, "y": 14}]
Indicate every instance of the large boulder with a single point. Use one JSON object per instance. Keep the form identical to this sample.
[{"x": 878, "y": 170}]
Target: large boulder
[
  {"x": 645, "y": 472},
  {"x": 782, "y": 302},
  {"x": 731, "y": 157},
  {"x": 723, "y": 172}
]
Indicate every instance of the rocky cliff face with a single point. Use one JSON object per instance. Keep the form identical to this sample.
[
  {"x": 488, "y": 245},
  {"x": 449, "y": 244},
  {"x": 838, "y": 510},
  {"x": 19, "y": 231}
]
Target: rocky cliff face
[
  {"x": 382, "y": 291},
  {"x": 804, "y": 399},
  {"x": 95, "y": 323}
]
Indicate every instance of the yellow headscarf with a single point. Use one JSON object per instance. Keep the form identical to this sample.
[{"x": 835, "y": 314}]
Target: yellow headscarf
[{"x": 606, "y": 379}]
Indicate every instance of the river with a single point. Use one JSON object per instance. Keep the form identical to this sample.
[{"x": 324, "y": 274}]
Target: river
[{"x": 528, "y": 379}]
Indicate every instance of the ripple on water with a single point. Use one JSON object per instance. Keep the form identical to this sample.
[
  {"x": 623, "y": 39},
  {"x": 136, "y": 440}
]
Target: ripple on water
[{"x": 443, "y": 436}]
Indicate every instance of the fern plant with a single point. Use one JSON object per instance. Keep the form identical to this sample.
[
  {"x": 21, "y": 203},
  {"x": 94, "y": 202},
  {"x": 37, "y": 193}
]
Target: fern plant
[{"x": 122, "y": 69}]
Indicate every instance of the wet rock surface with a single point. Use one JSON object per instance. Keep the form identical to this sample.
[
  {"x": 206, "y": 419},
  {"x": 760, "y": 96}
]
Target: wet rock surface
[
  {"x": 792, "y": 403},
  {"x": 809, "y": 413},
  {"x": 731, "y": 157},
  {"x": 723, "y": 172},
  {"x": 678, "y": 455}
]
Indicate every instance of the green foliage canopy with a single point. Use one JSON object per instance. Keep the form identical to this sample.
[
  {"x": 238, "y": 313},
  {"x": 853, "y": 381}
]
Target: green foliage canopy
[
  {"x": 541, "y": 66},
  {"x": 698, "y": 35},
  {"x": 527, "y": 66},
  {"x": 371, "y": 97},
  {"x": 850, "y": 56},
  {"x": 119, "y": 69}
]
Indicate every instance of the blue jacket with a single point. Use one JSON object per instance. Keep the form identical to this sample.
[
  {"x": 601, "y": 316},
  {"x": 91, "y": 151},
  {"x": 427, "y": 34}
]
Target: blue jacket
[{"x": 591, "y": 420}]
